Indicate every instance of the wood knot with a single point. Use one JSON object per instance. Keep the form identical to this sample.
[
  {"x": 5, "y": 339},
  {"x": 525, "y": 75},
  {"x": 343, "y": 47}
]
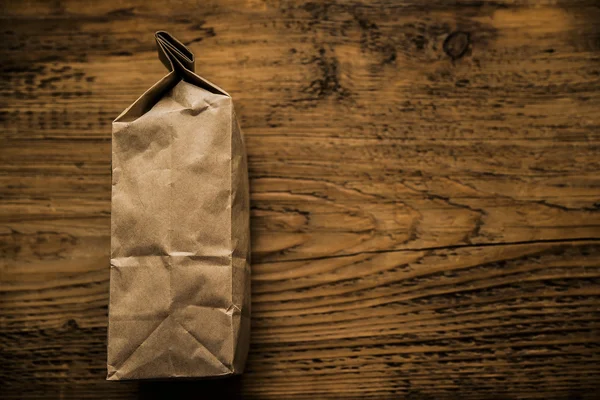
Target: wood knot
[
  {"x": 71, "y": 325},
  {"x": 456, "y": 44}
]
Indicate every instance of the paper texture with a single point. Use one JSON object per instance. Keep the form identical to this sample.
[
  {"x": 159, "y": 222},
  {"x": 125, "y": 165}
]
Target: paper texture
[{"x": 180, "y": 240}]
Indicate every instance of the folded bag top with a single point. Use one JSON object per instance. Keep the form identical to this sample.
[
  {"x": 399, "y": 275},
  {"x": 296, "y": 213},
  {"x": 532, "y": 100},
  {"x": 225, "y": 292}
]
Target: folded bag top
[
  {"x": 180, "y": 239},
  {"x": 171, "y": 50}
]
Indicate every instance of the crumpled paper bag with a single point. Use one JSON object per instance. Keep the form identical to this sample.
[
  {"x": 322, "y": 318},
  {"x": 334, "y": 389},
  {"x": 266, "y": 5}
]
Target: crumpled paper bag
[{"x": 180, "y": 240}]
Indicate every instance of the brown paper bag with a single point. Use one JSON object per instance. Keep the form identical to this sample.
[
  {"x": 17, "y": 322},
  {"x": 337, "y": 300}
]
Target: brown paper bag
[{"x": 180, "y": 245}]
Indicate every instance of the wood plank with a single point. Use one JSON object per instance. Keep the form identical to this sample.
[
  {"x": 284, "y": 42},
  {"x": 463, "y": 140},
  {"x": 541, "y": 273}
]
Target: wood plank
[{"x": 424, "y": 179}]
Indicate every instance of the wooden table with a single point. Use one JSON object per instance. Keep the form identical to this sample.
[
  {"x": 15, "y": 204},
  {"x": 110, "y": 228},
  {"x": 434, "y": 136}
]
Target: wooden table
[{"x": 425, "y": 192}]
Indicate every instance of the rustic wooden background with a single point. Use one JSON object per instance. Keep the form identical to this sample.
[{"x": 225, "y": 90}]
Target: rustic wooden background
[{"x": 425, "y": 192}]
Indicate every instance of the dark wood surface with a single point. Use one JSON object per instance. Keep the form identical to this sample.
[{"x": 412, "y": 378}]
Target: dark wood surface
[{"x": 425, "y": 192}]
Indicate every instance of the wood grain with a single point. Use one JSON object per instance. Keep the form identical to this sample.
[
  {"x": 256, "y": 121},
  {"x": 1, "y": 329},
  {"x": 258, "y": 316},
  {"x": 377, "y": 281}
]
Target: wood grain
[{"x": 425, "y": 192}]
